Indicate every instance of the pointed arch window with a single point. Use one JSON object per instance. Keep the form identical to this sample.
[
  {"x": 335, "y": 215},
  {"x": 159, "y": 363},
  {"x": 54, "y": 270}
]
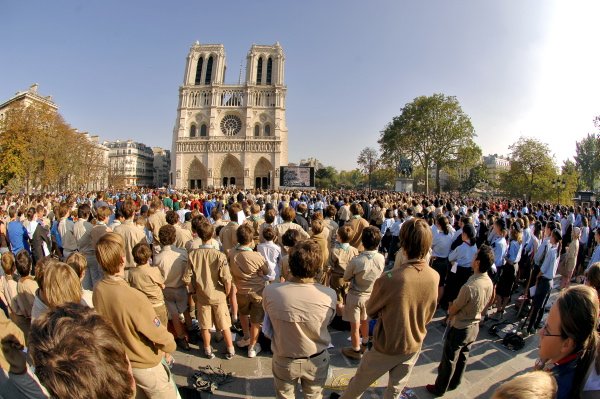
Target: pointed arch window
[
  {"x": 259, "y": 71},
  {"x": 209, "y": 67},
  {"x": 203, "y": 131},
  {"x": 269, "y": 70},
  {"x": 267, "y": 130},
  {"x": 257, "y": 130},
  {"x": 197, "y": 81},
  {"x": 193, "y": 131}
]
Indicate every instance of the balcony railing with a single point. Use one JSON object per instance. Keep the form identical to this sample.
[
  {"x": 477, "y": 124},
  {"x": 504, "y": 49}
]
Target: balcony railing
[{"x": 232, "y": 96}]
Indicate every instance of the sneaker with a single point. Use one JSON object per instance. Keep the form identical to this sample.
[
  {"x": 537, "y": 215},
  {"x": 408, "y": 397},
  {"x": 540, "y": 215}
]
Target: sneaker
[
  {"x": 229, "y": 355},
  {"x": 254, "y": 350},
  {"x": 209, "y": 353},
  {"x": 242, "y": 343},
  {"x": 351, "y": 353},
  {"x": 182, "y": 344}
]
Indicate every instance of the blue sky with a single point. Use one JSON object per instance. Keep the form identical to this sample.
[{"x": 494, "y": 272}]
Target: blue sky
[{"x": 517, "y": 67}]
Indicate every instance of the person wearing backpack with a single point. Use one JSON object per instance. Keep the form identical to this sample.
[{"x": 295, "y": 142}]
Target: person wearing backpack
[{"x": 465, "y": 313}]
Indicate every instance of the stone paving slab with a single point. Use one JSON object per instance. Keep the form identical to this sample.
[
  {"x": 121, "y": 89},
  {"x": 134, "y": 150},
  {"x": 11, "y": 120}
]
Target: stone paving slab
[{"x": 488, "y": 366}]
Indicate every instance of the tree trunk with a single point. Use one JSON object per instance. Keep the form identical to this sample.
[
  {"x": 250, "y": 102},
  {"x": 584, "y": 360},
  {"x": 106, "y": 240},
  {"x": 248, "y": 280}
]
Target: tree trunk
[
  {"x": 437, "y": 180},
  {"x": 427, "y": 179}
]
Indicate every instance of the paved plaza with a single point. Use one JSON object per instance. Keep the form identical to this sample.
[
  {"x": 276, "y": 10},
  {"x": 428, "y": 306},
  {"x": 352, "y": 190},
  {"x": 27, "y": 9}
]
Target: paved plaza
[{"x": 489, "y": 365}]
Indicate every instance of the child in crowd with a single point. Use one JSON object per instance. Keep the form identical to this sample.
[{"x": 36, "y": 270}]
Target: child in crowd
[
  {"x": 26, "y": 288},
  {"x": 173, "y": 265},
  {"x": 78, "y": 263},
  {"x": 290, "y": 238},
  {"x": 149, "y": 280},
  {"x": 270, "y": 251},
  {"x": 341, "y": 255},
  {"x": 212, "y": 284},
  {"x": 362, "y": 271},
  {"x": 9, "y": 285},
  {"x": 249, "y": 270},
  {"x": 534, "y": 385}
]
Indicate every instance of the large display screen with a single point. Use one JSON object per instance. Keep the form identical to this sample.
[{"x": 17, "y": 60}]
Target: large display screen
[{"x": 297, "y": 176}]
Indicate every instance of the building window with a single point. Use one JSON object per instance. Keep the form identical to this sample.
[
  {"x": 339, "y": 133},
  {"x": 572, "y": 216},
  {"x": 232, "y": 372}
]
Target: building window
[
  {"x": 257, "y": 130},
  {"x": 209, "y": 66},
  {"x": 259, "y": 71},
  {"x": 197, "y": 81},
  {"x": 203, "y": 131},
  {"x": 267, "y": 130},
  {"x": 193, "y": 131},
  {"x": 269, "y": 70}
]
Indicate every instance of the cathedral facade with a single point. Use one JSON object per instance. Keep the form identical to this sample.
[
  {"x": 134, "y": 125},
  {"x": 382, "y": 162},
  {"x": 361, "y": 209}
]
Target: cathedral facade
[{"x": 230, "y": 134}]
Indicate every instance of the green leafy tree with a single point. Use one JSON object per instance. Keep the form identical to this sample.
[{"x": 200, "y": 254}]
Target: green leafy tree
[
  {"x": 368, "y": 160},
  {"x": 532, "y": 170},
  {"x": 430, "y": 130},
  {"x": 587, "y": 158},
  {"x": 351, "y": 179},
  {"x": 477, "y": 176},
  {"x": 383, "y": 179},
  {"x": 326, "y": 177}
]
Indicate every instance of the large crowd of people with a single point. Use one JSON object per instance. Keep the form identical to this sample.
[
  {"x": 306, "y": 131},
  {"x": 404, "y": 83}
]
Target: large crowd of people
[{"x": 97, "y": 290}]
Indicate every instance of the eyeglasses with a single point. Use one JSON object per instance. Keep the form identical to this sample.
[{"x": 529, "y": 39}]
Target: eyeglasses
[{"x": 545, "y": 333}]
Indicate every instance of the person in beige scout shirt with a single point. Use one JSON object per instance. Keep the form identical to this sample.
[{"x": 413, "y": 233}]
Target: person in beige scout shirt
[
  {"x": 212, "y": 283},
  {"x": 227, "y": 233},
  {"x": 182, "y": 236},
  {"x": 465, "y": 314},
  {"x": 250, "y": 272},
  {"x": 149, "y": 280},
  {"x": 26, "y": 288},
  {"x": 341, "y": 254},
  {"x": 299, "y": 311},
  {"x": 361, "y": 273},
  {"x": 357, "y": 223},
  {"x": 403, "y": 301},
  {"x": 173, "y": 265},
  {"x": 134, "y": 320},
  {"x": 131, "y": 233}
]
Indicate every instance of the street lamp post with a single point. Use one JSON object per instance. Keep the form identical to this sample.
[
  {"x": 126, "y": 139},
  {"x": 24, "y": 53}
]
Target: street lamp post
[{"x": 559, "y": 184}]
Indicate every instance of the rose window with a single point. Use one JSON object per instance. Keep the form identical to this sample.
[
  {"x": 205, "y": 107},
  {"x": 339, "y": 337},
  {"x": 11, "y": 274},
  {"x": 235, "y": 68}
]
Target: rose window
[{"x": 231, "y": 125}]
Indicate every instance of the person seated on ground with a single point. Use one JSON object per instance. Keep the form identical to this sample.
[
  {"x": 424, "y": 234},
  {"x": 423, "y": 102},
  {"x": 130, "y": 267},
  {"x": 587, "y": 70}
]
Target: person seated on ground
[
  {"x": 132, "y": 316},
  {"x": 533, "y": 385},
  {"x": 568, "y": 341},
  {"x": 77, "y": 354}
]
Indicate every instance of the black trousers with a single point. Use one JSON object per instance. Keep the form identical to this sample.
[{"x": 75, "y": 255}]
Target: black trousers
[
  {"x": 454, "y": 358},
  {"x": 542, "y": 292}
]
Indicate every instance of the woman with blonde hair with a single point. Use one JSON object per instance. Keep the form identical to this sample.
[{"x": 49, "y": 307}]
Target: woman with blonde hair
[
  {"x": 534, "y": 385},
  {"x": 61, "y": 285}
]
